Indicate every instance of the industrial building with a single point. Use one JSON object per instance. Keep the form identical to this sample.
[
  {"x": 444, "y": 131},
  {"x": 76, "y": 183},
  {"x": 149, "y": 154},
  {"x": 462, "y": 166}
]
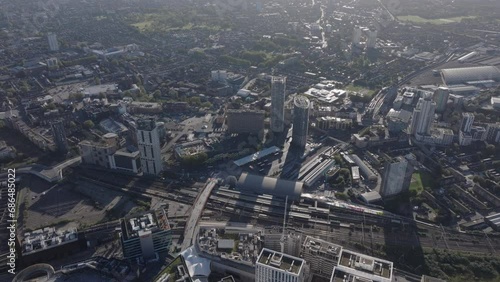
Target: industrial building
[
  {"x": 276, "y": 266},
  {"x": 245, "y": 121},
  {"x": 148, "y": 140},
  {"x": 145, "y": 234},
  {"x": 359, "y": 267},
  {"x": 470, "y": 75},
  {"x": 269, "y": 185},
  {"x": 300, "y": 121},
  {"x": 322, "y": 256},
  {"x": 278, "y": 87}
]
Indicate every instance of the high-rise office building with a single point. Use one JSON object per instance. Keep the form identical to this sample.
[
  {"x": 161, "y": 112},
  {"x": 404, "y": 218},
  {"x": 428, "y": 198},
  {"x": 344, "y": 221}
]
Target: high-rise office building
[
  {"x": 356, "y": 36},
  {"x": 145, "y": 234},
  {"x": 423, "y": 115},
  {"x": 274, "y": 266},
  {"x": 371, "y": 38},
  {"x": 300, "y": 121},
  {"x": 53, "y": 43},
  {"x": 397, "y": 177},
  {"x": 441, "y": 98},
  {"x": 465, "y": 138},
  {"x": 493, "y": 132},
  {"x": 322, "y": 256},
  {"x": 148, "y": 140},
  {"x": 467, "y": 121},
  {"x": 59, "y": 135},
  {"x": 278, "y": 86}
]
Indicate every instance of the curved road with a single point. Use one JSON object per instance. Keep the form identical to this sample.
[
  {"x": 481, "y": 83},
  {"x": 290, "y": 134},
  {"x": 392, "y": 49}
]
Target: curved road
[{"x": 197, "y": 209}]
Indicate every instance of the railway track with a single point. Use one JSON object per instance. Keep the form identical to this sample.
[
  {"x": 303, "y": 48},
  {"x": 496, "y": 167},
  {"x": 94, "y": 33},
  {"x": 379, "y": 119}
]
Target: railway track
[{"x": 322, "y": 222}]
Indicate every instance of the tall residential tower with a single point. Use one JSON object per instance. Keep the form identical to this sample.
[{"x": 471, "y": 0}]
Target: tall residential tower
[
  {"x": 148, "y": 140},
  {"x": 397, "y": 177},
  {"x": 423, "y": 115},
  {"x": 278, "y": 86},
  {"x": 300, "y": 121},
  {"x": 59, "y": 135},
  {"x": 441, "y": 98},
  {"x": 53, "y": 44}
]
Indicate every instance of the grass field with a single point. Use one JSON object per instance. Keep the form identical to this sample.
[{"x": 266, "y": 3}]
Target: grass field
[
  {"x": 418, "y": 19},
  {"x": 359, "y": 89},
  {"x": 419, "y": 180},
  {"x": 142, "y": 26}
]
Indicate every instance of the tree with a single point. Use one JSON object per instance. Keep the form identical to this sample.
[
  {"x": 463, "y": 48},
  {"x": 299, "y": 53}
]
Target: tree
[
  {"x": 88, "y": 124},
  {"x": 342, "y": 196},
  {"x": 195, "y": 160},
  {"x": 196, "y": 101},
  {"x": 206, "y": 105},
  {"x": 490, "y": 149},
  {"x": 157, "y": 94},
  {"x": 51, "y": 107},
  {"x": 173, "y": 94}
]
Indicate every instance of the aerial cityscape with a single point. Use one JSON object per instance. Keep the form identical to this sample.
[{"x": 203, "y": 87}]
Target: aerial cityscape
[{"x": 250, "y": 140}]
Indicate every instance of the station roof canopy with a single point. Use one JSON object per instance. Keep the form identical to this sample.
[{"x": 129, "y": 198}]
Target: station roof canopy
[
  {"x": 470, "y": 74},
  {"x": 269, "y": 185}
]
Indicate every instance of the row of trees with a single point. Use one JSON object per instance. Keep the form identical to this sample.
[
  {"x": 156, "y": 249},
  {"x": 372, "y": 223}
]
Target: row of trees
[{"x": 459, "y": 267}]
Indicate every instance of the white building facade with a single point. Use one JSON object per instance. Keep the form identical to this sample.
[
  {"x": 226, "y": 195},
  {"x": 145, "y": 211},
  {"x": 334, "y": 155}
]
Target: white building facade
[
  {"x": 148, "y": 140},
  {"x": 274, "y": 266}
]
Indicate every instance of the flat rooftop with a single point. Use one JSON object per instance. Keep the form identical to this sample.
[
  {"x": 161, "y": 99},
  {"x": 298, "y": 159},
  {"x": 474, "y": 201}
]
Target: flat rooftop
[
  {"x": 46, "y": 238},
  {"x": 342, "y": 276},
  {"x": 152, "y": 220},
  {"x": 322, "y": 248},
  {"x": 257, "y": 155},
  {"x": 365, "y": 266},
  {"x": 280, "y": 261},
  {"x": 241, "y": 246}
]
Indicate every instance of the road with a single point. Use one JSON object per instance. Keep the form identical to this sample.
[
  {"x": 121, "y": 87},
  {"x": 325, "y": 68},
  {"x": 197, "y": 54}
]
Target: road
[
  {"x": 189, "y": 124},
  {"x": 50, "y": 174},
  {"x": 319, "y": 21},
  {"x": 172, "y": 142},
  {"x": 197, "y": 209}
]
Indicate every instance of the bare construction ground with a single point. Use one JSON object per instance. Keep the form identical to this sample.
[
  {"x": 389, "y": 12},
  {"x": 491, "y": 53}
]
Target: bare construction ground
[{"x": 82, "y": 203}]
